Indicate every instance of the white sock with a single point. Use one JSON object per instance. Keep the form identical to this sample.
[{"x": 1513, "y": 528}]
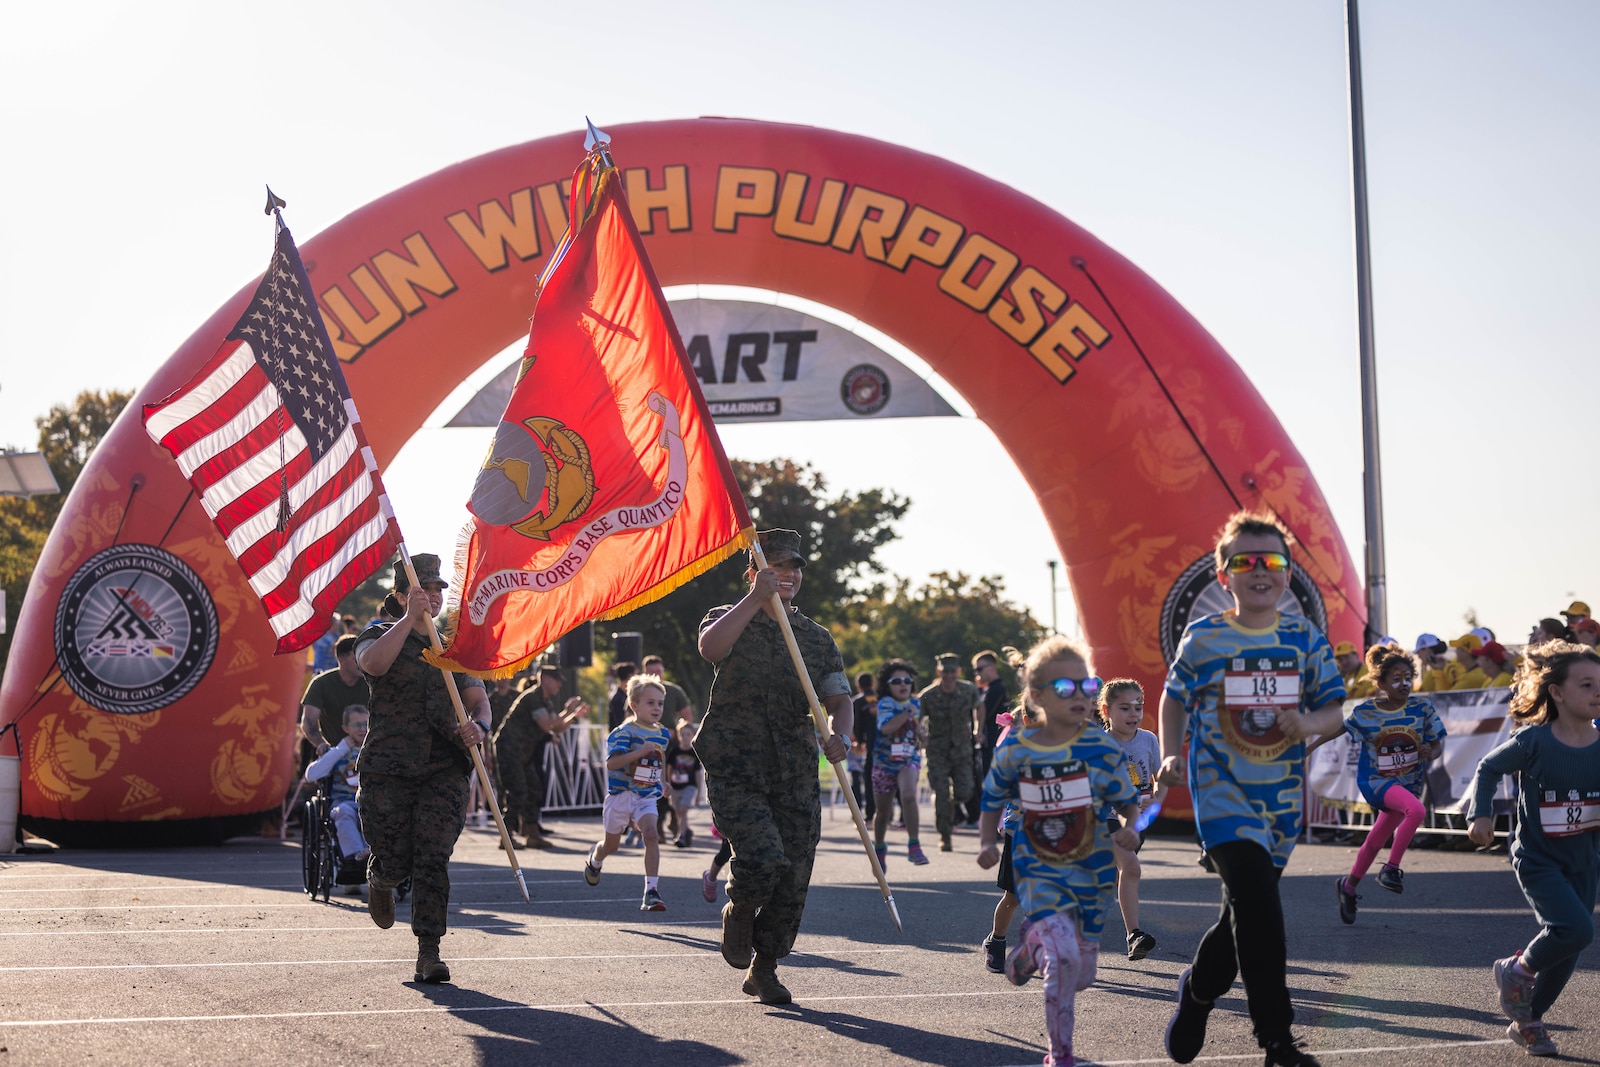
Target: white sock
[
  {"x": 592, "y": 861},
  {"x": 650, "y": 881}
]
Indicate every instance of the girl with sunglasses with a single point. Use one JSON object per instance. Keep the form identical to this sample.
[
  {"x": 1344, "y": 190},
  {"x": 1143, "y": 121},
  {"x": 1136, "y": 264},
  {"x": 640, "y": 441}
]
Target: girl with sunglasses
[
  {"x": 1062, "y": 771},
  {"x": 1245, "y": 687},
  {"x": 897, "y": 757},
  {"x": 1398, "y": 734}
]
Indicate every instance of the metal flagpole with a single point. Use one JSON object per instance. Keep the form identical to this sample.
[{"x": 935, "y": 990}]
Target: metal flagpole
[
  {"x": 826, "y": 731},
  {"x": 1372, "y": 477}
]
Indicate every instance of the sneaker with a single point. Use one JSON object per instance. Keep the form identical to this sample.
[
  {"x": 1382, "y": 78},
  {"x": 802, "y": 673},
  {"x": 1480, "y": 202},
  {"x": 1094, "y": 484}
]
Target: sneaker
[
  {"x": 1186, "y": 1030},
  {"x": 688, "y": 837},
  {"x": 1392, "y": 878},
  {"x": 680, "y": 842},
  {"x": 945, "y": 845},
  {"x": 1516, "y": 992},
  {"x": 652, "y": 901},
  {"x": 1020, "y": 964},
  {"x": 994, "y": 954},
  {"x": 915, "y": 854},
  {"x": 1140, "y": 944},
  {"x": 708, "y": 887},
  {"x": 1347, "y": 902},
  {"x": 1533, "y": 1037},
  {"x": 1287, "y": 1052},
  {"x": 591, "y": 873},
  {"x": 883, "y": 856}
]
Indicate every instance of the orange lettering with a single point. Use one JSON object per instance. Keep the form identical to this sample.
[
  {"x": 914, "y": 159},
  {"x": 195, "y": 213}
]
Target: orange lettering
[
  {"x": 1020, "y": 316},
  {"x": 979, "y": 256},
  {"x": 672, "y": 197},
  {"x": 913, "y": 241},
  {"x": 386, "y": 314},
  {"x": 422, "y": 271},
  {"x": 872, "y": 216},
  {"x": 500, "y": 231},
  {"x": 743, "y": 191},
  {"x": 1063, "y": 336},
  {"x": 787, "y": 221}
]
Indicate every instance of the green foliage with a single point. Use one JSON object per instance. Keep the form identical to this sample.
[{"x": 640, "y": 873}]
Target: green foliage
[
  {"x": 68, "y": 435},
  {"x": 842, "y": 535},
  {"x": 948, "y": 613}
]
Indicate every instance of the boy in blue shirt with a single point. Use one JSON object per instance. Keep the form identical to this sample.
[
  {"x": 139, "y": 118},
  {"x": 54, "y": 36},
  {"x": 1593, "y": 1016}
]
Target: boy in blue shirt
[
  {"x": 635, "y": 756},
  {"x": 1246, "y": 686}
]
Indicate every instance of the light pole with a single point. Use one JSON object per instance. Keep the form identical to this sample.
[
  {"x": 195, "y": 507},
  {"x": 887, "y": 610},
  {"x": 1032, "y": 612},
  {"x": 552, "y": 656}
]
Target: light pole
[{"x": 1052, "y": 565}]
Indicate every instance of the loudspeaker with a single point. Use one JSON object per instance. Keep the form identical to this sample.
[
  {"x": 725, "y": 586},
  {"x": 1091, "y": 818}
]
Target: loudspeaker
[
  {"x": 576, "y": 648},
  {"x": 629, "y": 646}
]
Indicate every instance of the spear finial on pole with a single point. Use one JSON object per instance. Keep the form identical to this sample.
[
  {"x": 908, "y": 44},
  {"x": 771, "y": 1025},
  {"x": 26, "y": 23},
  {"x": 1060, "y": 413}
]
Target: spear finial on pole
[{"x": 597, "y": 138}]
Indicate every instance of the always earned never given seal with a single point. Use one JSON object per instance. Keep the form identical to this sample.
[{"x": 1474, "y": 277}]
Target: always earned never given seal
[{"x": 135, "y": 629}]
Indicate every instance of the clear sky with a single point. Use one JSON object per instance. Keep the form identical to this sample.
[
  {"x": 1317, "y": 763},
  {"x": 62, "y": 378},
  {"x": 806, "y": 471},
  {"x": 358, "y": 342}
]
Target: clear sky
[{"x": 1208, "y": 143}]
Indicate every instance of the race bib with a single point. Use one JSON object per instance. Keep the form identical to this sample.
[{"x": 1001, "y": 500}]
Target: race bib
[
  {"x": 353, "y": 781},
  {"x": 1056, "y": 810},
  {"x": 1254, "y": 690},
  {"x": 902, "y": 750},
  {"x": 1578, "y": 813},
  {"x": 682, "y": 771},
  {"x": 1397, "y": 752},
  {"x": 647, "y": 771}
]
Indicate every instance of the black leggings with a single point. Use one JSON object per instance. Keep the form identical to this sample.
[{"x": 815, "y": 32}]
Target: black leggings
[
  {"x": 1247, "y": 940},
  {"x": 724, "y": 854}
]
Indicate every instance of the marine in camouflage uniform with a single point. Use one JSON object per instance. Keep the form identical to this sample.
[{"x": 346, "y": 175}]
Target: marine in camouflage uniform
[
  {"x": 519, "y": 744},
  {"x": 758, "y": 746},
  {"x": 947, "y": 707},
  {"x": 414, "y": 766}
]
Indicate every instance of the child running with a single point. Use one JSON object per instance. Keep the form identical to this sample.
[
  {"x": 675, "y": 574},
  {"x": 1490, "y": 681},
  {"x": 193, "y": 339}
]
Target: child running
[
  {"x": 708, "y": 877},
  {"x": 1240, "y": 686},
  {"x": 1121, "y": 712},
  {"x": 635, "y": 752},
  {"x": 994, "y": 946},
  {"x": 897, "y": 760},
  {"x": 1063, "y": 773},
  {"x": 1556, "y": 850},
  {"x": 683, "y": 777},
  {"x": 1398, "y": 733}
]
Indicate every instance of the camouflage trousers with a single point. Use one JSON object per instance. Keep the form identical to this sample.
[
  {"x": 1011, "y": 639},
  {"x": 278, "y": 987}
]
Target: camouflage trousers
[
  {"x": 949, "y": 766},
  {"x": 773, "y": 825},
  {"x": 412, "y": 824},
  {"x": 519, "y": 763}
]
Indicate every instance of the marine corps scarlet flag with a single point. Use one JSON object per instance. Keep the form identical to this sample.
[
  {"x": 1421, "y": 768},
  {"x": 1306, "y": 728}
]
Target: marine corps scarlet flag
[{"x": 606, "y": 486}]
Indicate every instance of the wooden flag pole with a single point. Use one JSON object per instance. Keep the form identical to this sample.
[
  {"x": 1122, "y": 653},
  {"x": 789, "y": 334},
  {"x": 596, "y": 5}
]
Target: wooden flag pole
[
  {"x": 477, "y": 760},
  {"x": 827, "y": 731}
]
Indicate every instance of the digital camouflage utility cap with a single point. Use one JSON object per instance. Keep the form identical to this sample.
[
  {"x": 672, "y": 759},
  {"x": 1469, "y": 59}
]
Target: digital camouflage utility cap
[
  {"x": 427, "y": 565},
  {"x": 779, "y": 545}
]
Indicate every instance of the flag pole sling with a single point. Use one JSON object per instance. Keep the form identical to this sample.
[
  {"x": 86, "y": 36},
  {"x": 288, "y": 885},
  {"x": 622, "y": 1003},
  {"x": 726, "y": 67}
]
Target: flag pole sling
[
  {"x": 477, "y": 760},
  {"x": 827, "y": 731}
]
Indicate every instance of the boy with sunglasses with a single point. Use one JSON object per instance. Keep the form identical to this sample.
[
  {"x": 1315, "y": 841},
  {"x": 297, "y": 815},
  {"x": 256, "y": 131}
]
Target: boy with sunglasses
[{"x": 1246, "y": 686}]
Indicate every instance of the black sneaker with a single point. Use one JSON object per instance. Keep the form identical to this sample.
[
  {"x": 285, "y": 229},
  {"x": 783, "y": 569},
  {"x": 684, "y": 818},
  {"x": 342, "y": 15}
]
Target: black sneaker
[
  {"x": 1287, "y": 1052},
  {"x": 652, "y": 901},
  {"x": 1392, "y": 878},
  {"x": 1140, "y": 944},
  {"x": 1186, "y": 1030},
  {"x": 994, "y": 954},
  {"x": 1347, "y": 902}
]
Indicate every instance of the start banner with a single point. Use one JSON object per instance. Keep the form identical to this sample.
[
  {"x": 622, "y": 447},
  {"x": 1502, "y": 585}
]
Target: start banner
[{"x": 1475, "y": 720}]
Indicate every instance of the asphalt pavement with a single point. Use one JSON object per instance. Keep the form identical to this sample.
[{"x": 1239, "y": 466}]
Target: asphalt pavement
[{"x": 216, "y": 956}]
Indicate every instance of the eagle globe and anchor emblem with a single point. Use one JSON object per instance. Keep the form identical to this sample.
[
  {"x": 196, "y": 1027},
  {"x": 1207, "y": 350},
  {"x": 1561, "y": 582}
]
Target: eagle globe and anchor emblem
[{"x": 537, "y": 458}]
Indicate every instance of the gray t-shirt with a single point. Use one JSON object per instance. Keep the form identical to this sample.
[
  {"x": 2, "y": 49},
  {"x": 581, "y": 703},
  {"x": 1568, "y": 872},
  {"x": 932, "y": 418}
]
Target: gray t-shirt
[{"x": 1144, "y": 759}]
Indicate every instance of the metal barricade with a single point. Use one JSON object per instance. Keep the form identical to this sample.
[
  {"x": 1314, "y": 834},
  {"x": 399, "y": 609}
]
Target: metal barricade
[{"x": 575, "y": 769}]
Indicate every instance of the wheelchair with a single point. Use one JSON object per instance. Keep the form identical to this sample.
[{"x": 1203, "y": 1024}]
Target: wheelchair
[{"x": 322, "y": 865}]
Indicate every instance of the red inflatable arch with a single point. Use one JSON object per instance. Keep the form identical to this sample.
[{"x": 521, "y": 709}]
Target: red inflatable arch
[{"x": 1134, "y": 428}]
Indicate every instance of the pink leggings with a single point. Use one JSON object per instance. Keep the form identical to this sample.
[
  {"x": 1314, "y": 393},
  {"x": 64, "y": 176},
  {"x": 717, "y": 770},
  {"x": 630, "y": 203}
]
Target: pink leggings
[
  {"x": 1402, "y": 814},
  {"x": 1067, "y": 961}
]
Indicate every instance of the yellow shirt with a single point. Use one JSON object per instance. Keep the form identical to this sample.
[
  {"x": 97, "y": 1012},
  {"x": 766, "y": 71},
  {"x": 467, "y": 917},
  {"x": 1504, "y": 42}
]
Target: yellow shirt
[
  {"x": 1473, "y": 679},
  {"x": 1438, "y": 679},
  {"x": 1360, "y": 689},
  {"x": 1501, "y": 680}
]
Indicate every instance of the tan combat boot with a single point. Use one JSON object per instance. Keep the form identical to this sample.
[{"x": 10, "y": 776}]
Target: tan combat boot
[
  {"x": 762, "y": 982},
  {"x": 738, "y": 928},
  {"x": 430, "y": 968}
]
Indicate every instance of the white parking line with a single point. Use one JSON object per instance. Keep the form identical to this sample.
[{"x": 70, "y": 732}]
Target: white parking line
[
  {"x": 298, "y": 887},
  {"x": 361, "y": 928},
  {"x": 214, "y": 906},
  {"x": 621, "y": 1005},
  {"x": 707, "y": 954}
]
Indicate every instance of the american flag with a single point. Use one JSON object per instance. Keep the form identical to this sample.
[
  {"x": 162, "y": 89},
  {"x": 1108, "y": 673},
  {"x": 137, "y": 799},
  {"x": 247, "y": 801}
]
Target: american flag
[{"x": 268, "y": 435}]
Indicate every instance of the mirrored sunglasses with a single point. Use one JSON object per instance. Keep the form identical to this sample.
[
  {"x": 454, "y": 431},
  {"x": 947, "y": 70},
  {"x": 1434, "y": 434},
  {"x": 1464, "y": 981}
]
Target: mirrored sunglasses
[
  {"x": 900, "y": 681},
  {"x": 1066, "y": 687},
  {"x": 1245, "y": 562}
]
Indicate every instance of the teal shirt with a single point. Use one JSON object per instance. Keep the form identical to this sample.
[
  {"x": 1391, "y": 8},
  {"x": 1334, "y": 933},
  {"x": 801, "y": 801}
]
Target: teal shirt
[
  {"x": 1245, "y": 776},
  {"x": 1558, "y": 804},
  {"x": 1060, "y": 850},
  {"x": 643, "y": 777}
]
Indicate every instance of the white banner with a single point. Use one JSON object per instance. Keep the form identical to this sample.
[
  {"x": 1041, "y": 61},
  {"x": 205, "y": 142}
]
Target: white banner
[
  {"x": 1475, "y": 720},
  {"x": 765, "y": 363}
]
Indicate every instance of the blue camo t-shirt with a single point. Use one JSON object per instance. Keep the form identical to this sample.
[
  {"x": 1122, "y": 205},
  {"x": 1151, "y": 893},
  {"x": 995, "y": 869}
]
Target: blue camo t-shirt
[
  {"x": 1060, "y": 850},
  {"x": 644, "y": 777},
  {"x": 1391, "y": 745},
  {"x": 893, "y": 753},
  {"x": 1245, "y": 776}
]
